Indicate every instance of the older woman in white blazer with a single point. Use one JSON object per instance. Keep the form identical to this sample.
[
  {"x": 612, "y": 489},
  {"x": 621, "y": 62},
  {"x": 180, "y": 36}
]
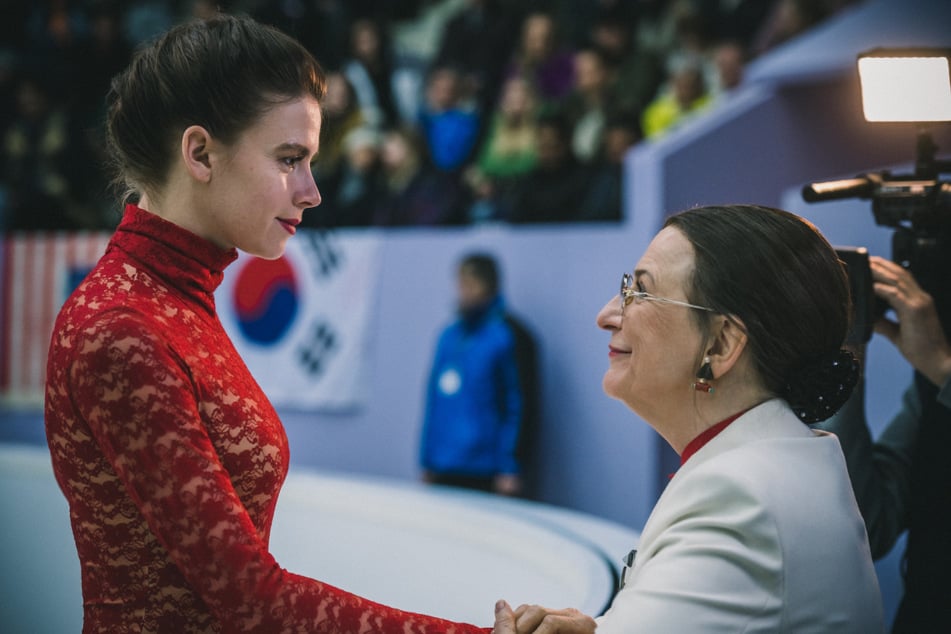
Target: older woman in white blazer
[{"x": 726, "y": 339}]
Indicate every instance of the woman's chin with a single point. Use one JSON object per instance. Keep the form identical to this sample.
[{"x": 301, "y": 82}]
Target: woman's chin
[
  {"x": 610, "y": 386},
  {"x": 268, "y": 252}
]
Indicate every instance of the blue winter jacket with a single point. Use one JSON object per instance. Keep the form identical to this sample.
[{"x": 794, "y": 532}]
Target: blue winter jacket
[{"x": 473, "y": 404}]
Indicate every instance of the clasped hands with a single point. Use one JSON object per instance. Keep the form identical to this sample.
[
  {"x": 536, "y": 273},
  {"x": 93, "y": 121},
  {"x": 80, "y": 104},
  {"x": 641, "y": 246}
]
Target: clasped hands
[{"x": 534, "y": 618}]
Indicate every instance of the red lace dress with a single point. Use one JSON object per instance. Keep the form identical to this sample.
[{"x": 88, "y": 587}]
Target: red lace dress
[{"x": 171, "y": 457}]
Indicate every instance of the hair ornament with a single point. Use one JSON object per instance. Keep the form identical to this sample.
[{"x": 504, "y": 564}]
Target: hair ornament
[{"x": 819, "y": 387}]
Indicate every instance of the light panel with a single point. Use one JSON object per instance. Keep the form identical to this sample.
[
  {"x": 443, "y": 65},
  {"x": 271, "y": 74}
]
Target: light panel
[{"x": 905, "y": 87}]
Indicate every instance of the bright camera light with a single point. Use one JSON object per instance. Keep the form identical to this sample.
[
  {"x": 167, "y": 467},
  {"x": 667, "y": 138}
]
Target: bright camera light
[{"x": 905, "y": 85}]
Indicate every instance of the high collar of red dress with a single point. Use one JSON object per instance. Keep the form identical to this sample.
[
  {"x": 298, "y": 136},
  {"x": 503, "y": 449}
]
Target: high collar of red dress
[{"x": 186, "y": 261}]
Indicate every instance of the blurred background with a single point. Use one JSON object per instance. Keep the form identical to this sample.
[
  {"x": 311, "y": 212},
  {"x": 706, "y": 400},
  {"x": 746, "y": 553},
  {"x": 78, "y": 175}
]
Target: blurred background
[{"x": 555, "y": 134}]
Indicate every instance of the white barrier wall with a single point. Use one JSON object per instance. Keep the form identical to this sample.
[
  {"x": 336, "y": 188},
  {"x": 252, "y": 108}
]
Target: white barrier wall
[{"x": 432, "y": 550}]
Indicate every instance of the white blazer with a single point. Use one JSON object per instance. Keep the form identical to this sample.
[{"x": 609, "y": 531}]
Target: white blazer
[{"x": 758, "y": 532}]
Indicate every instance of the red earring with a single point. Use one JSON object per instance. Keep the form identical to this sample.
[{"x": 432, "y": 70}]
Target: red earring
[{"x": 704, "y": 375}]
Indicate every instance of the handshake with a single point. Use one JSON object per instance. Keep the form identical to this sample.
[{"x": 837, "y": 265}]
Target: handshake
[{"x": 534, "y": 618}]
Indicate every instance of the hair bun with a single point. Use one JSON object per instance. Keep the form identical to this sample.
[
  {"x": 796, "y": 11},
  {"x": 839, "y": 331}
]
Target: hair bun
[{"x": 821, "y": 386}]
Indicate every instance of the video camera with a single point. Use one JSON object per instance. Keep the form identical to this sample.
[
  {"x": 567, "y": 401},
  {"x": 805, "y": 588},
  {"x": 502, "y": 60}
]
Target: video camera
[{"x": 918, "y": 205}]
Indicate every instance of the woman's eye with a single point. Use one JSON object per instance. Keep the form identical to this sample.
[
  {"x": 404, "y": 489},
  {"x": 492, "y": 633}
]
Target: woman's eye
[
  {"x": 292, "y": 161},
  {"x": 639, "y": 287}
]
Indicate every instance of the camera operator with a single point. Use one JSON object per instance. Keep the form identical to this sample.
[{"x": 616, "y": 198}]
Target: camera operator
[{"x": 902, "y": 481}]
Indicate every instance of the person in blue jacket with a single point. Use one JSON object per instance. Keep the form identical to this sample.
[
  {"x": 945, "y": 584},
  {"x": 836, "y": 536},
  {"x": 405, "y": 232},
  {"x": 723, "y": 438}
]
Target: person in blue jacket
[{"x": 474, "y": 397}]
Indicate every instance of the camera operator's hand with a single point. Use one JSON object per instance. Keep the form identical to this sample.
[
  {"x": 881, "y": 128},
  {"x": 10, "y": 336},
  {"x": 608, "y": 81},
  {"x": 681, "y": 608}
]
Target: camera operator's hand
[{"x": 917, "y": 334}]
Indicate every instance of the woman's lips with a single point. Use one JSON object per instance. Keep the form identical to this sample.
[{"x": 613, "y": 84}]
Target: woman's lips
[
  {"x": 614, "y": 352},
  {"x": 289, "y": 224}
]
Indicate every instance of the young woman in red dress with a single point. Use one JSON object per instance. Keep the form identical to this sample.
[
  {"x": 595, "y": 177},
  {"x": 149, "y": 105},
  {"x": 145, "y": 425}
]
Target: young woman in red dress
[{"x": 168, "y": 452}]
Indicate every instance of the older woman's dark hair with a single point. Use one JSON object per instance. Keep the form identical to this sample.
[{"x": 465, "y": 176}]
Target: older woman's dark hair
[
  {"x": 222, "y": 73},
  {"x": 779, "y": 276}
]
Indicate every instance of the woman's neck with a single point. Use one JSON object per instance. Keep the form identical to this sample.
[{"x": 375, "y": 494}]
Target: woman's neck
[
  {"x": 177, "y": 205},
  {"x": 700, "y": 411}
]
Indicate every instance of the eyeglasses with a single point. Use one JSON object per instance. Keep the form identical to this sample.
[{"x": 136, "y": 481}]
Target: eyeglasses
[{"x": 628, "y": 295}]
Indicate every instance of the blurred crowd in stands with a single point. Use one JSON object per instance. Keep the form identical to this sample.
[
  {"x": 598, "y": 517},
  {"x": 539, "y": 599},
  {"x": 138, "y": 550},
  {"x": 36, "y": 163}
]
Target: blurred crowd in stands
[{"x": 439, "y": 112}]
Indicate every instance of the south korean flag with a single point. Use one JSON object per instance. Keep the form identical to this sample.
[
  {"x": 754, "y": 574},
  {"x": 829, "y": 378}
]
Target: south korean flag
[{"x": 300, "y": 322}]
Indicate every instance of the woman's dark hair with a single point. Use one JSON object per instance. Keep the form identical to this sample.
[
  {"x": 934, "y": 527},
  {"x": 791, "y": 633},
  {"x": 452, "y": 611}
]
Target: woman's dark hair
[
  {"x": 484, "y": 268},
  {"x": 779, "y": 276},
  {"x": 222, "y": 73}
]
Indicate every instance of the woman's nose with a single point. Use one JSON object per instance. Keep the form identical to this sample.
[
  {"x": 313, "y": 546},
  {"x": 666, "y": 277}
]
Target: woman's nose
[
  {"x": 609, "y": 317},
  {"x": 309, "y": 195}
]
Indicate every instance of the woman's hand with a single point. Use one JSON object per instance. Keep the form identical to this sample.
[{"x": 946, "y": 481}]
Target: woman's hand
[
  {"x": 917, "y": 334},
  {"x": 534, "y": 618}
]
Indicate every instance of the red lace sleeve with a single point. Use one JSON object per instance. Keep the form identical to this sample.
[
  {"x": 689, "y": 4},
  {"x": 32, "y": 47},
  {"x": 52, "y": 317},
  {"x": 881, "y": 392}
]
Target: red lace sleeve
[{"x": 140, "y": 403}]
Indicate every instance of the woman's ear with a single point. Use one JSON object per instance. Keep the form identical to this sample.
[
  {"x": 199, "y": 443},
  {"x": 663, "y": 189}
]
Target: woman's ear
[
  {"x": 196, "y": 146},
  {"x": 729, "y": 342}
]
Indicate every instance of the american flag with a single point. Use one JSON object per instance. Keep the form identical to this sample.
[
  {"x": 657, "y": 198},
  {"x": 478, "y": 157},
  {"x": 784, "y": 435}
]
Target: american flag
[
  {"x": 37, "y": 274},
  {"x": 337, "y": 277}
]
